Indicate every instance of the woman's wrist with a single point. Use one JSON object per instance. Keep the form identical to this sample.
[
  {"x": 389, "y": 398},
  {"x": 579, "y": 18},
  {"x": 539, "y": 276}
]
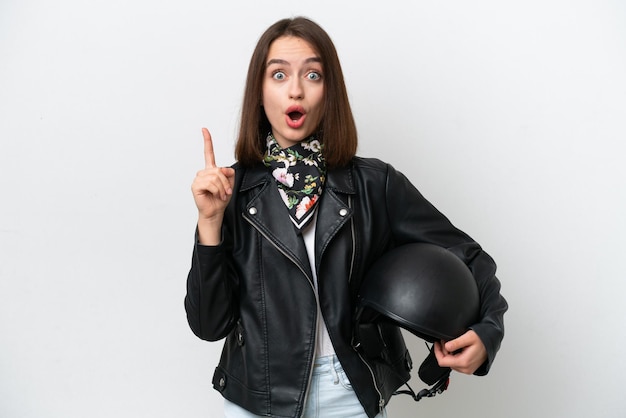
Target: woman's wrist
[{"x": 210, "y": 230}]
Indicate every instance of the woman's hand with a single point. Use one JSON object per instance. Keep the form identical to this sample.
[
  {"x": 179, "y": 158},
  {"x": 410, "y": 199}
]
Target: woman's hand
[
  {"x": 212, "y": 189},
  {"x": 464, "y": 354}
]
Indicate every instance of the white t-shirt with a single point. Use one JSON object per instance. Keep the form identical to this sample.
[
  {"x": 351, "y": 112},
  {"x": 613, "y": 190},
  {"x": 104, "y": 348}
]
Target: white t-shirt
[{"x": 324, "y": 346}]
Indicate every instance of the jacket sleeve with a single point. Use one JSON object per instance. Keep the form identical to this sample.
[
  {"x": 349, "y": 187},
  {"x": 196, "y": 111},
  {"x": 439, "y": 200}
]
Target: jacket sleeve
[
  {"x": 211, "y": 302},
  {"x": 414, "y": 219}
]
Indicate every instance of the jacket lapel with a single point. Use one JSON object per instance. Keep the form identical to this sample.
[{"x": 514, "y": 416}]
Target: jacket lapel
[
  {"x": 334, "y": 208},
  {"x": 267, "y": 212}
]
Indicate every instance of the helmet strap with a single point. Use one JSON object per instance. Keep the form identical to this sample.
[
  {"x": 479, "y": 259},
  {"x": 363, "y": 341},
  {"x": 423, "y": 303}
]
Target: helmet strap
[
  {"x": 436, "y": 389},
  {"x": 432, "y": 374}
]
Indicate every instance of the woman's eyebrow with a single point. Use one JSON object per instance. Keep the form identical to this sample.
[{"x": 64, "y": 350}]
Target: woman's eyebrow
[{"x": 285, "y": 62}]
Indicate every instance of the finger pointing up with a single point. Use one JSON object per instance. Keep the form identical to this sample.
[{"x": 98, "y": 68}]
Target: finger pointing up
[{"x": 209, "y": 155}]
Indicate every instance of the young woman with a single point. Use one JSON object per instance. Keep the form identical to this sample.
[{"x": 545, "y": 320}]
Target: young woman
[{"x": 285, "y": 236}]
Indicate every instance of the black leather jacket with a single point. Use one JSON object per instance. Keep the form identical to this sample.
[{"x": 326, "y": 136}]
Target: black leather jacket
[{"x": 255, "y": 289}]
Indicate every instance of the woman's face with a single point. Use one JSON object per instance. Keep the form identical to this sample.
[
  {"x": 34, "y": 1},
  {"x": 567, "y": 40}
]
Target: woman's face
[{"x": 293, "y": 90}]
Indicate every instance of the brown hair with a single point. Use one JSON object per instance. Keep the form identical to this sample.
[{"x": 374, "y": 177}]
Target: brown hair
[{"x": 337, "y": 130}]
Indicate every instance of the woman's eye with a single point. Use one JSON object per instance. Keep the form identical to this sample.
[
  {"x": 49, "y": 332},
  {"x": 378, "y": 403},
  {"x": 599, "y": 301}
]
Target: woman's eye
[
  {"x": 278, "y": 75},
  {"x": 313, "y": 75}
]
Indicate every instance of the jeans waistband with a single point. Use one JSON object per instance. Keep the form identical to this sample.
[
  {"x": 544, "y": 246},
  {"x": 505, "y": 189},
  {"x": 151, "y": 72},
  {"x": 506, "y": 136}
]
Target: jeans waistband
[{"x": 326, "y": 364}]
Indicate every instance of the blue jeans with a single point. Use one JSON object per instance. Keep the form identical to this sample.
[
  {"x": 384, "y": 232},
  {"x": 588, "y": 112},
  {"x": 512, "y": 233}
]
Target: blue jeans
[{"x": 330, "y": 395}]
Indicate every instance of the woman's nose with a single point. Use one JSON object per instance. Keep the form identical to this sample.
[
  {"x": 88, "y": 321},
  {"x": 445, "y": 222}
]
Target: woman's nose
[{"x": 295, "y": 89}]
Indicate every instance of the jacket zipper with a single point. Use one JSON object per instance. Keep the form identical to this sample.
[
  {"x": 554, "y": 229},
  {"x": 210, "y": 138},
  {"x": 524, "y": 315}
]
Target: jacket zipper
[
  {"x": 317, "y": 302},
  {"x": 353, "y": 235},
  {"x": 381, "y": 401}
]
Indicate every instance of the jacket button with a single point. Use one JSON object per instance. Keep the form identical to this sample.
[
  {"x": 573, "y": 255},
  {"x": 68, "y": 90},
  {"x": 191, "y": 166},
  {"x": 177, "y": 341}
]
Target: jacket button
[
  {"x": 252, "y": 211},
  {"x": 222, "y": 382},
  {"x": 343, "y": 212}
]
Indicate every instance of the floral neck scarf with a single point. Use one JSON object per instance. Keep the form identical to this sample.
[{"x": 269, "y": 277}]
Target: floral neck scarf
[{"x": 300, "y": 172}]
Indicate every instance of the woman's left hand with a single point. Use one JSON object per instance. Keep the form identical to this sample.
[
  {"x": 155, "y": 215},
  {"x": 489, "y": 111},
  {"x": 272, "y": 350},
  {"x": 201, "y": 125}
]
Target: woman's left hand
[{"x": 464, "y": 354}]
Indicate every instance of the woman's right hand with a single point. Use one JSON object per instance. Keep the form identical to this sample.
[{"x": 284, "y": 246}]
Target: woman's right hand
[{"x": 212, "y": 189}]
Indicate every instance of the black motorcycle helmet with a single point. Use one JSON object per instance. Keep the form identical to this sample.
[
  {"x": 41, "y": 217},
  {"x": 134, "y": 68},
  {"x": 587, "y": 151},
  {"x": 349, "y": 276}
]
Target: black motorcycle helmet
[{"x": 426, "y": 290}]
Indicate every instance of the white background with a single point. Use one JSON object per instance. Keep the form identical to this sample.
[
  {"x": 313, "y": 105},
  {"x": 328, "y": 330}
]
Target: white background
[{"x": 508, "y": 115}]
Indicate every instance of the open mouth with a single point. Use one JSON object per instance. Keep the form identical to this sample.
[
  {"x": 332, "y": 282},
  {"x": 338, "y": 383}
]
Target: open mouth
[{"x": 295, "y": 116}]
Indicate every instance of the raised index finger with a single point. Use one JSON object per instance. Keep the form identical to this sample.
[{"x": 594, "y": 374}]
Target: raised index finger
[{"x": 209, "y": 156}]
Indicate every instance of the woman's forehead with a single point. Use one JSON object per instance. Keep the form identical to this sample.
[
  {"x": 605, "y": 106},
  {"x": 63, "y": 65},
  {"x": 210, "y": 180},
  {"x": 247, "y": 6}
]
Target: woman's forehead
[{"x": 288, "y": 48}]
